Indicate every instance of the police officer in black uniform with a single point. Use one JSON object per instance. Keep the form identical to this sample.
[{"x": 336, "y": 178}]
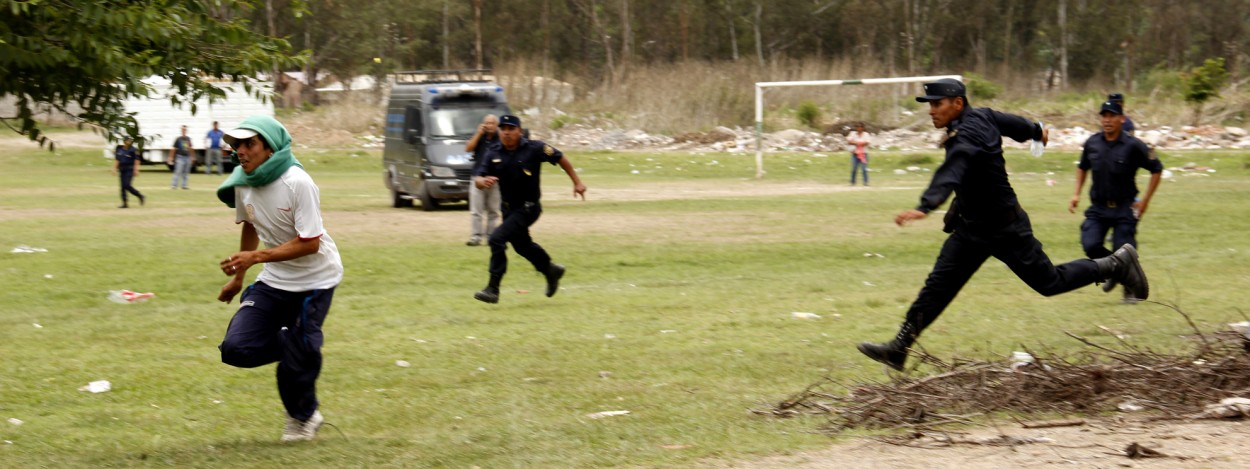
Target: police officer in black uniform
[
  {"x": 126, "y": 164},
  {"x": 1118, "y": 98},
  {"x": 1113, "y": 157},
  {"x": 515, "y": 164},
  {"x": 986, "y": 219}
]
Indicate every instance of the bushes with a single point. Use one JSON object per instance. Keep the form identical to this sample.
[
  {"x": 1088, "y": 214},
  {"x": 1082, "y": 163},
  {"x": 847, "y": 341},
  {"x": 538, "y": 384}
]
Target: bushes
[{"x": 809, "y": 114}]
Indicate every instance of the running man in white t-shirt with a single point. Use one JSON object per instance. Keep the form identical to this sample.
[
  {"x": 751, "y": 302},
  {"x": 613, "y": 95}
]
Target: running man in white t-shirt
[{"x": 280, "y": 315}]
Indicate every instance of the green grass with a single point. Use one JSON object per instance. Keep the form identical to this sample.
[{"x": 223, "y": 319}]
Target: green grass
[{"x": 686, "y": 302}]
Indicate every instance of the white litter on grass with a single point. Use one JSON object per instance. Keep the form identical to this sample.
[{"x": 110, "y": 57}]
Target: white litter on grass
[
  {"x": 1129, "y": 407},
  {"x": 128, "y": 297},
  {"x": 609, "y": 336},
  {"x": 47, "y": 276},
  {"x": 804, "y": 315},
  {"x": 37, "y": 325},
  {"x": 402, "y": 364},
  {"x": 868, "y": 284},
  {"x": 607, "y": 413},
  {"x": 16, "y": 421},
  {"x": 481, "y": 368},
  {"x": 22, "y": 249},
  {"x": 1230, "y": 407},
  {"x": 900, "y": 171},
  {"x": 215, "y": 401},
  {"x": 873, "y": 254},
  {"x": 668, "y": 331},
  {"x": 96, "y": 387}
]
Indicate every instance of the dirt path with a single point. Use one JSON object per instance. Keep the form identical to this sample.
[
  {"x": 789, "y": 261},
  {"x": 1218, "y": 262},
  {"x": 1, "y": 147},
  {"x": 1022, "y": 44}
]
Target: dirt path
[{"x": 1098, "y": 444}]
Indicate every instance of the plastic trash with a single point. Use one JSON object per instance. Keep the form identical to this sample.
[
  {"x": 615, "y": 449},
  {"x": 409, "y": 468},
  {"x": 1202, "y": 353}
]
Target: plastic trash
[
  {"x": 128, "y": 297},
  {"x": 16, "y": 421},
  {"x": 402, "y": 364},
  {"x": 1129, "y": 407},
  {"x": 1241, "y": 327},
  {"x": 803, "y": 315},
  {"x": 607, "y": 413},
  {"x": 1036, "y": 147},
  {"x": 96, "y": 387},
  {"x": 1020, "y": 360},
  {"x": 22, "y": 248}
]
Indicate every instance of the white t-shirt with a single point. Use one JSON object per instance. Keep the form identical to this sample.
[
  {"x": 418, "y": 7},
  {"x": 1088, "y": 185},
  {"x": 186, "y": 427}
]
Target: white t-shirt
[
  {"x": 281, "y": 210},
  {"x": 864, "y": 138}
]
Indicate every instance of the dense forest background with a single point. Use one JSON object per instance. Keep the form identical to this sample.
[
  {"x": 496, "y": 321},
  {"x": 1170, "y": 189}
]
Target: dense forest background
[
  {"x": 614, "y": 51},
  {"x": 1062, "y": 42}
]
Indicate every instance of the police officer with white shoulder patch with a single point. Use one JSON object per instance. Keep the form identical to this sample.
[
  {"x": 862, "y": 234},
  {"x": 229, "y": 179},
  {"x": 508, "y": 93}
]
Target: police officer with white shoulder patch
[
  {"x": 1110, "y": 159},
  {"x": 986, "y": 219},
  {"x": 515, "y": 164}
]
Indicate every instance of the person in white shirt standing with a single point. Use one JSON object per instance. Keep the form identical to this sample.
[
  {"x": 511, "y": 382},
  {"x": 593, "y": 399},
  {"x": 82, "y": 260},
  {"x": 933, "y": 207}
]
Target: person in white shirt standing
[
  {"x": 280, "y": 315},
  {"x": 859, "y": 156}
]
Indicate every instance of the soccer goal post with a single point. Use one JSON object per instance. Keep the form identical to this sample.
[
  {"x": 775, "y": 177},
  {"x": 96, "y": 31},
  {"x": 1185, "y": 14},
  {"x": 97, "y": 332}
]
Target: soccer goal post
[{"x": 759, "y": 102}]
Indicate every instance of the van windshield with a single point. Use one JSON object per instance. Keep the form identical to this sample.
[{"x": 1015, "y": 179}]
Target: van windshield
[{"x": 459, "y": 122}]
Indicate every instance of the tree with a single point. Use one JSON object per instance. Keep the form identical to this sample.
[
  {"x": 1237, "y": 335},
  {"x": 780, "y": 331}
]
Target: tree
[
  {"x": 1204, "y": 83},
  {"x": 61, "y": 53}
]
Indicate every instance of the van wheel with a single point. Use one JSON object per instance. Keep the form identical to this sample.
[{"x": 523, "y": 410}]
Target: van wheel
[
  {"x": 398, "y": 200},
  {"x": 428, "y": 203}
]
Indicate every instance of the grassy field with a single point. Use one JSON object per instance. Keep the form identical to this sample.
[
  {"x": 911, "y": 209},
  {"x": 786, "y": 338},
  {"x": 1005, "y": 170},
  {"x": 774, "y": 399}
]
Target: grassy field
[{"x": 677, "y": 307}]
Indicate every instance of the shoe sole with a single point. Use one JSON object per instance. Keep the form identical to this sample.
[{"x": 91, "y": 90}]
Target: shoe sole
[
  {"x": 553, "y": 284},
  {"x": 1136, "y": 265},
  {"x": 485, "y": 299},
  {"x": 898, "y": 367}
]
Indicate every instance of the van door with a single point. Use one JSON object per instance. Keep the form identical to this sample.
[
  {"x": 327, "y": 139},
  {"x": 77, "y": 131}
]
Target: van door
[{"x": 413, "y": 159}]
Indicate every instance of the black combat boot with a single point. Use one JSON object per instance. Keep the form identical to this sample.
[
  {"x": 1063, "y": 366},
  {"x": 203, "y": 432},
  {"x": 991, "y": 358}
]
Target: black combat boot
[
  {"x": 894, "y": 352},
  {"x": 1122, "y": 267},
  {"x": 490, "y": 294},
  {"x": 553, "y": 274}
]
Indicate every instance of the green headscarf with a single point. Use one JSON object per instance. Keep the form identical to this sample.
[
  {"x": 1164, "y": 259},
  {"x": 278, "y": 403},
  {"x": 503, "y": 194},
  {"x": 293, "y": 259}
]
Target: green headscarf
[{"x": 279, "y": 140}]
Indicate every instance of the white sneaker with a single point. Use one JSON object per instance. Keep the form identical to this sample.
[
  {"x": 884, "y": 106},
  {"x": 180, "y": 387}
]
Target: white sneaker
[{"x": 296, "y": 430}]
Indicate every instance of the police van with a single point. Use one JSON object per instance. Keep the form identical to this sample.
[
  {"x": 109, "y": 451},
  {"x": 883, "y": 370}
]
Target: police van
[{"x": 430, "y": 117}]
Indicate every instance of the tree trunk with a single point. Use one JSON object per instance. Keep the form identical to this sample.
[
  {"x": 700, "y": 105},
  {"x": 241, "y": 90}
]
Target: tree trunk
[
  {"x": 1063, "y": 44},
  {"x": 733, "y": 31},
  {"x": 477, "y": 31},
  {"x": 446, "y": 36},
  {"x": 278, "y": 87},
  {"x": 546, "y": 25},
  {"x": 759, "y": 41},
  {"x": 627, "y": 38},
  {"x": 683, "y": 20},
  {"x": 1006, "y": 67}
]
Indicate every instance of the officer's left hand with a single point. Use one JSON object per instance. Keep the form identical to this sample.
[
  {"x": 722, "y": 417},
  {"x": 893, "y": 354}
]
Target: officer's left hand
[
  {"x": 908, "y": 215},
  {"x": 1139, "y": 208},
  {"x": 579, "y": 189}
]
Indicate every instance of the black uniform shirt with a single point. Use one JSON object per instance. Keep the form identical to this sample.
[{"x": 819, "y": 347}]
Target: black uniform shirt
[
  {"x": 483, "y": 145},
  {"x": 1114, "y": 165},
  {"x": 974, "y": 167},
  {"x": 126, "y": 158},
  {"x": 518, "y": 170}
]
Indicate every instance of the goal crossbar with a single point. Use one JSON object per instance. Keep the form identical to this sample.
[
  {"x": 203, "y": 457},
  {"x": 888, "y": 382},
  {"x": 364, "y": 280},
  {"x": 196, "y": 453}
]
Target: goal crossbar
[{"x": 759, "y": 102}]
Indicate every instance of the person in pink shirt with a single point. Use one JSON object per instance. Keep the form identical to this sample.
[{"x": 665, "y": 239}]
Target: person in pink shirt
[{"x": 859, "y": 156}]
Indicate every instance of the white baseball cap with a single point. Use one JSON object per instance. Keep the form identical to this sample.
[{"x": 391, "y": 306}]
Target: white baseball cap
[{"x": 234, "y": 135}]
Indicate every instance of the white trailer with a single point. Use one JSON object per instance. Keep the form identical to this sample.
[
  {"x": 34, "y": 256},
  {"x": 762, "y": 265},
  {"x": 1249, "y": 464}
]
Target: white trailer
[{"x": 161, "y": 122}]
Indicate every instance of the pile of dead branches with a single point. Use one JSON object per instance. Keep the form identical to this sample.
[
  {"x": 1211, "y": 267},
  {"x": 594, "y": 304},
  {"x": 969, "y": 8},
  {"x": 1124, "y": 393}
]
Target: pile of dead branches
[{"x": 1123, "y": 378}]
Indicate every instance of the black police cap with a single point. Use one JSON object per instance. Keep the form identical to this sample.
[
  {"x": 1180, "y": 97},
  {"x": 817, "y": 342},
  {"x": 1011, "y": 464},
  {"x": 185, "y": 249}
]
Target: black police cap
[
  {"x": 944, "y": 88},
  {"x": 1117, "y": 97},
  {"x": 1112, "y": 107},
  {"x": 509, "y": 119}
]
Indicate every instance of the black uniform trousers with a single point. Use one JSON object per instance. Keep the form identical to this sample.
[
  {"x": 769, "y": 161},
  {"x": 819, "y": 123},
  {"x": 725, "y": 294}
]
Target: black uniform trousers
[
  {"x": 127, "y": 176},
  {"x": 1100, "y": 218},
  {"x": 282, "y": 326},
  {"x": 967, "y": 248},
  {"x": 515, "y": 229}
]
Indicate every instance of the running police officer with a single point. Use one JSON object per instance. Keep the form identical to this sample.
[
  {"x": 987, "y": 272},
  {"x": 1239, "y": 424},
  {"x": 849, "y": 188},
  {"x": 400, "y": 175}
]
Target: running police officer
[
  {"x": 986, "y": 219},
  {"x": 1113, "y": 157},
  {"x": 515, "y": 165},
  {"x": 1118, "y": 98}
]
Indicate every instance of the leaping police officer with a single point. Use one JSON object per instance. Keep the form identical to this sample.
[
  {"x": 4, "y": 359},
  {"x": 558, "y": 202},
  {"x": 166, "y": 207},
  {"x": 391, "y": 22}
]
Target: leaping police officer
[
  {"x": 986, "y": 219},
  {"x": 515, "y": 165},
  {"x": 1113, "y": 156}
]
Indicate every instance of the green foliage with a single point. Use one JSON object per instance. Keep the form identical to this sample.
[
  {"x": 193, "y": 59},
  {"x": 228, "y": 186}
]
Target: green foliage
[
  {"x": 1163, "y": 80},
  {"x": 562, "y": 120},
  {"x": 980, "y": 87},
  {"x": 916, "y": 159},
  {"x": 808, "y": 114},
  {"x": 93, "y": 55},
  {"x": 1203, "y": 83}
]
